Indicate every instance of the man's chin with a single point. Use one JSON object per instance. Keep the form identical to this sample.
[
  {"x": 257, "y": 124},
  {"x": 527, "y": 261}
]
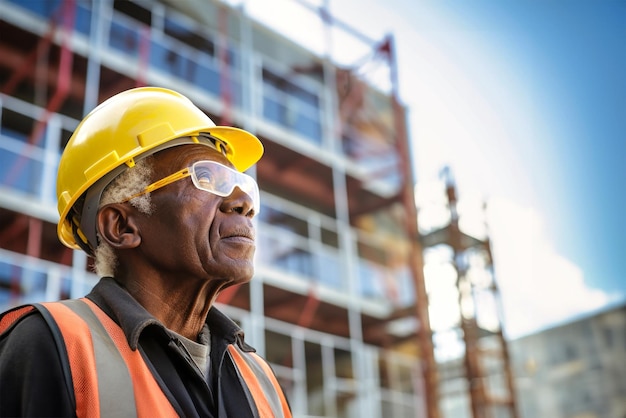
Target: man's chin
[{"x": 244, "y": 273}]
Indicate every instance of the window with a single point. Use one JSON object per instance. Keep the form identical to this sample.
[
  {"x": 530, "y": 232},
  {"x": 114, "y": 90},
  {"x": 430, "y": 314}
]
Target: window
[
  {"x": 292, "y": 106},
  {"x": 133, "y": 10},
  {"x": 314, "y": 379}
]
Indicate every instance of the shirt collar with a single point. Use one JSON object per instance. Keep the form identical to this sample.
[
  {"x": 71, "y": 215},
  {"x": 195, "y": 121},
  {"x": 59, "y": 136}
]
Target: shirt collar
[{"x": 133, "y": 318}]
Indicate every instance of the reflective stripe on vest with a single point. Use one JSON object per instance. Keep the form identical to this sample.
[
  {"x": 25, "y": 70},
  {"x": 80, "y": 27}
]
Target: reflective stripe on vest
[
  {"x": 256, "y": 375},
  {"x": 109, "y": 378}
]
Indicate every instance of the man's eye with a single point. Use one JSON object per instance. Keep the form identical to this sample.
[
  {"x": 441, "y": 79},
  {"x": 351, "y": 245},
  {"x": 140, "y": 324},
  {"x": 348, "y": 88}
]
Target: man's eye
[{"x": 204, "y": 181}]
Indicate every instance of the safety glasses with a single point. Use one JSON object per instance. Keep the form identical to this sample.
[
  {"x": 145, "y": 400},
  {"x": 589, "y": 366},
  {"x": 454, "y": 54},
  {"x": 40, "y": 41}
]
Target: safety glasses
[{"x": 211, "y": 177}]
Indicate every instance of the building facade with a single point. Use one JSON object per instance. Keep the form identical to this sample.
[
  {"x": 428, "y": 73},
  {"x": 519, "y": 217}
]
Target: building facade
[
  {"x": 332, "y": 303},
  {"x": 574, "y": 370}
]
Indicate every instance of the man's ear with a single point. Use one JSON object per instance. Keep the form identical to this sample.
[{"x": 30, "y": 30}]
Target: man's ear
[{"x": 117, "y": 225}]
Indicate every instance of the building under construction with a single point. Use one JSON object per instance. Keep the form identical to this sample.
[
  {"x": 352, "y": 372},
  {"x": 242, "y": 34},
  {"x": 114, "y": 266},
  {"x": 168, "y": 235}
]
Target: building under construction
[{"x": 338, "y": 304}]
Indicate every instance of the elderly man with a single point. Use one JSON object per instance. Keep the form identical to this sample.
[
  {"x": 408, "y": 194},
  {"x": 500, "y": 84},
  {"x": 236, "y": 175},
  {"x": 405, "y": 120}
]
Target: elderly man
[{"x": 151, "y": 188}]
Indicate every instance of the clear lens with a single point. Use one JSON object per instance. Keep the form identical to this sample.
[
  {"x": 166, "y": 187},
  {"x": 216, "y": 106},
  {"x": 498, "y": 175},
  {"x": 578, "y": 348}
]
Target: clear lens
[{"x": 218, "y": 179}]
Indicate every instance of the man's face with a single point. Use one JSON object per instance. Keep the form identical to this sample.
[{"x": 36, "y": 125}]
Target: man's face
[{"x": 195, "y": 234}]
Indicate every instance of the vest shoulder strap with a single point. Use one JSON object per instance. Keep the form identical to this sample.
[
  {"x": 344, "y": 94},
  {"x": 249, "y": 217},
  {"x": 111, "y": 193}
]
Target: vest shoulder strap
[
  {"x": 108, "y": 378},
  {"x": 12, "y": 317},
  {"x": 257, "y": 376}
]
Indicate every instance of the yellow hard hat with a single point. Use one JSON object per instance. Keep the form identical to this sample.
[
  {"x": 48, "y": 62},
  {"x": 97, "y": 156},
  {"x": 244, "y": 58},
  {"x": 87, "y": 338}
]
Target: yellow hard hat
[{"x": 129, "y": 126}]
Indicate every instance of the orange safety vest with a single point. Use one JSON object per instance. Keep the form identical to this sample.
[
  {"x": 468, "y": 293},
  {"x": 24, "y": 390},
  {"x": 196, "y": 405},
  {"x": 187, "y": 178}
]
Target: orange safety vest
[{"x": 110, "y": 379}]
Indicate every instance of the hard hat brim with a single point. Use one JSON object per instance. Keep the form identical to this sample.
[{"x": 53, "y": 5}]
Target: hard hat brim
[{"x": 246, "y": 148}]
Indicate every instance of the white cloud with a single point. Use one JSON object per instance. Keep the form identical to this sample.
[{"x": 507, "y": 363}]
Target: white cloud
[{"x": 539, "y": 287}]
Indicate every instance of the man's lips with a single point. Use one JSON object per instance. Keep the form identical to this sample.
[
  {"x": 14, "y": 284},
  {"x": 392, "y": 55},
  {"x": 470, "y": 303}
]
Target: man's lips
[{"x": 243, "y": 233}]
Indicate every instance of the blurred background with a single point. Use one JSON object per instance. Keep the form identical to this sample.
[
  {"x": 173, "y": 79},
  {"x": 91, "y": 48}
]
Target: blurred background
[{"x": 441, "y": 226}]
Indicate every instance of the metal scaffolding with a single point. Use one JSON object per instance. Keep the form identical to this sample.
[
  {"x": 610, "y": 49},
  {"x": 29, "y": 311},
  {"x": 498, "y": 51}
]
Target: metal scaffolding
[{"x": 486, "y": 368}]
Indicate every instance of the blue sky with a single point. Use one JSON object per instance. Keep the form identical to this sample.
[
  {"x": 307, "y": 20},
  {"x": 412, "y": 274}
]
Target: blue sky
[
  {"x": 526, "y": 102},
  {"x": 575, "y": 52},
  {"x": 574, "y": 55}
]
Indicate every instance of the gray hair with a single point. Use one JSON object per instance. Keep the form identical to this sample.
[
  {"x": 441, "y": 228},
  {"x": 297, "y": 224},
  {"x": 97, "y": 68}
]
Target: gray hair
[{"x": 130, "y": 182}]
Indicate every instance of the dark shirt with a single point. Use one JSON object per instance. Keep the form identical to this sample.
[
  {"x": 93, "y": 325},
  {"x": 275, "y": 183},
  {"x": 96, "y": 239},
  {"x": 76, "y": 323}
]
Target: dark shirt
[{"x": 32, "y": 375}]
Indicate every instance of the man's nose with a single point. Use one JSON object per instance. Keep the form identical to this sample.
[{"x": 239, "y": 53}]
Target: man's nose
[{"x": 239, "y": 202}]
